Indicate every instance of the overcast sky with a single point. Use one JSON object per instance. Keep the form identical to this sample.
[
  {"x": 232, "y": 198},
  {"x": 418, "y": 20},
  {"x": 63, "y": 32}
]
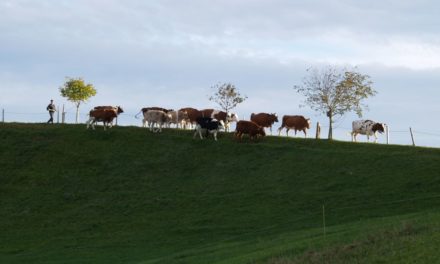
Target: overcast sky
[{"x": 169, "y": 53}]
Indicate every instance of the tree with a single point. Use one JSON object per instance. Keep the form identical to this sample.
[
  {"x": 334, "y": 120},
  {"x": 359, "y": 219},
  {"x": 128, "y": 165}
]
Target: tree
[
  {"x": 227, "y": 96},
  {"x": 76, "y": 91},
  {"x": 332, "y": 91}
]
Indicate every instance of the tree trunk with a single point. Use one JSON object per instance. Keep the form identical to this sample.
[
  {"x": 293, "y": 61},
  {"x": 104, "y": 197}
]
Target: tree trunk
[
  {"x": 330, "y": 128},
  {"x": 77, "y": 113}
]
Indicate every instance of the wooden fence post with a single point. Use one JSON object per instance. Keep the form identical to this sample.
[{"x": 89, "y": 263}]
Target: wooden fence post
[
  {"x": 388, "y": 134},
  {"x": 63, "y": 116},
  {"x": 58, "y": 114},
  {"x": 318, "y": 131},
  {"x": 412, "y": 137},
  {"x": 323, "y": 219}
]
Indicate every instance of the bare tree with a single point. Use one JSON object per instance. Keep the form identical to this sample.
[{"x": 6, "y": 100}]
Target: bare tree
[
  {"x": 227, "y": 96},
  {"x": 333, "y": 91}
]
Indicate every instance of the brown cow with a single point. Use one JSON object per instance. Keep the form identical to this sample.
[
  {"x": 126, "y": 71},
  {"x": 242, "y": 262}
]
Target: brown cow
[
  {"x": 295, "y": 122},
  {"x": 192, "y": 114},
  {"x": 103, "y": 115},
  {"x": 264, "y": 119},
  {"x": 250, "y": 128}
]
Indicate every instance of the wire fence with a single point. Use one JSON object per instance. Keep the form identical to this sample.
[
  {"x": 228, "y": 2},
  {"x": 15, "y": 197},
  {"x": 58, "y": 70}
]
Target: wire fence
[{"x": 403, "y": 136}]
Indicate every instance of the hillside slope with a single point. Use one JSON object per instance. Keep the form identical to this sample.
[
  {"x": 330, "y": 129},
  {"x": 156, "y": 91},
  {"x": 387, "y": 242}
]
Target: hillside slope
[{"x": 69, "y": 195}]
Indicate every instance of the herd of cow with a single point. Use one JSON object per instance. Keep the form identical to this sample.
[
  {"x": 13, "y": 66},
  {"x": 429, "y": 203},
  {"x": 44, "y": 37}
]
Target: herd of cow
[{"x": 210, "y": 121}]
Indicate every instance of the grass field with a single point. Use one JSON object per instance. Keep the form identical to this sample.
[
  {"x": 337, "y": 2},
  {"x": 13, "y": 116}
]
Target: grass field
[{"x": 71, "y": 195}]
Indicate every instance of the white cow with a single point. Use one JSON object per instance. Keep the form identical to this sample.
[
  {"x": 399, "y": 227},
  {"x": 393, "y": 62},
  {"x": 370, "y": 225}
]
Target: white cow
[
  {"x": 153, "y": 117},
  {"x": 368, "y": 128},
  {"x": 178, "y": 118}
]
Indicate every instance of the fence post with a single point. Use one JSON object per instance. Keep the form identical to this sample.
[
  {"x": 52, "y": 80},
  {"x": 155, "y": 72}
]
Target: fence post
[
  {"x": 318, "y": 131},
  {"x": 63, "y": 116},
  {"x": 3, "y": 115},
  {"x": 58, "y": 114},
  {"x": 412, "y": 137},
  {"x": 388, "y": 134},
  {"x": 323, "y": 219}
]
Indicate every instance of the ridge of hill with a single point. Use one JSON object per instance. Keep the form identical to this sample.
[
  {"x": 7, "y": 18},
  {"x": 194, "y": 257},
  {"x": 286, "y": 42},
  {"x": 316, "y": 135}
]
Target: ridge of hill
[{"x": 126, "y": 195}]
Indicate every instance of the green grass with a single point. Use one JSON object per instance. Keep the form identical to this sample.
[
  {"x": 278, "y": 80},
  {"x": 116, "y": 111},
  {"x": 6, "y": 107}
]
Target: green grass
[{"x": 71, "y": 195}]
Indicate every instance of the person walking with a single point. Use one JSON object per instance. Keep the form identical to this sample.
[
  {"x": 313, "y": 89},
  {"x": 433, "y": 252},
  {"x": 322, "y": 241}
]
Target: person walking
[{"x": 51, "y": 108}]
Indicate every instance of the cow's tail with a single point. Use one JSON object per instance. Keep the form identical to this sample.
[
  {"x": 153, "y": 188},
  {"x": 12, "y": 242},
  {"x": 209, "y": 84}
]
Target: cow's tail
[{"x": 137, "y": 115}]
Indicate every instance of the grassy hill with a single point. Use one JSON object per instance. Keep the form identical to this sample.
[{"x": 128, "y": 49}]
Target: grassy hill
[{"x": 71, "y": 195}]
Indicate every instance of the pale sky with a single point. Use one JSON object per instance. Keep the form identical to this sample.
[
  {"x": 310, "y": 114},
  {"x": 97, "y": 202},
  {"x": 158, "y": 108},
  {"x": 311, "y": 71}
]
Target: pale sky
[{"x": 169, "y": 54}]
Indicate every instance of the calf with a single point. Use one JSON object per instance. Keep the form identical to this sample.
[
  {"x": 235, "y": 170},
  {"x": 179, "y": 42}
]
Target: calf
[
  {"x": 158, "y": 117},
  {"x": 146, "y": 109},
  {"x": 193, "y": 114},
  {"x": 227, "y": 118},
  {"x": 250, "y": 128},
  {"x": 208, "y": 125},
  {"x": 368, "y": 128},
  {"x": 118, "y": 109},
  {"x": 296, "y": 123},
  {"x": 178, "y": 118},
  {"x": 103, "y": 115},
  {"x": 264, "y": 119}
]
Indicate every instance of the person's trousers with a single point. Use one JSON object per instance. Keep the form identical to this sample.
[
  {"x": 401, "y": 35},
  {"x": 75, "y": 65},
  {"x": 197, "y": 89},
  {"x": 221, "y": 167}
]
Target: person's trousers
[{"x": 51, "y": 117}]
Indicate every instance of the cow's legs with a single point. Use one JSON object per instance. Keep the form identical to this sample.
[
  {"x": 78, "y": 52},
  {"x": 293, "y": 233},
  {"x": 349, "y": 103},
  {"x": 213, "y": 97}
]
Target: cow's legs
[
  {"x": 287, "y": 131},
  {"x": 215, "y": 135},
  {"x": 305, "y": 133},
  {"x": 279, "y": 130}
]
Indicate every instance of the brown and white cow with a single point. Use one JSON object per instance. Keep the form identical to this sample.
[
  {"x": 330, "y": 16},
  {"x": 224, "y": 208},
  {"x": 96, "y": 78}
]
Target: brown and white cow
[
  {"x": 105, "y": 115},
  {"x": 156, "y": 117},
  {"x": 178, "y": 118},
  {"x": 227, "y": 118},
  {"x": 295, "y": 122},
  {"x": 264, "y": 119},
  {"x": 146, "y": 109},
  {"x": 192, "y": 113},
  {"x": 250, "y": 128}
]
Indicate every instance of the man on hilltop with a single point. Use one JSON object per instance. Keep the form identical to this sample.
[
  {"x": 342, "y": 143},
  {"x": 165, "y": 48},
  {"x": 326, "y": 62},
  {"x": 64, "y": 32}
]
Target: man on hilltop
[{"x": 51, "y": 108}]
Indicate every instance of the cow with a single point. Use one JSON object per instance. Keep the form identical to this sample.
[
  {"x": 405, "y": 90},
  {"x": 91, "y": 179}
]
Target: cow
[
  {"x": 146, "y": 109},
  {"x": 103, "y": 115},
  {"x": 250, "y": 128},
  {"x": 192, "y": 113},
  {"x": 368, "y": 128},
  {"x": 227, "y": 118},
  {"x": 208, "y": 125},
  {"x": 264, "y": 119},
  {"x": 295, "y": 122},
  {"x": 106, "y": 107},
  {"x": 158, "y": 117},
  {"x": 178, "y": 117}
]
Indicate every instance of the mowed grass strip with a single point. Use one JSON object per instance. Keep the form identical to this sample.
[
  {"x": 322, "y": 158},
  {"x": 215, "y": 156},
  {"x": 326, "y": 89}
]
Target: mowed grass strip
[{"x": 126, "y": 195}]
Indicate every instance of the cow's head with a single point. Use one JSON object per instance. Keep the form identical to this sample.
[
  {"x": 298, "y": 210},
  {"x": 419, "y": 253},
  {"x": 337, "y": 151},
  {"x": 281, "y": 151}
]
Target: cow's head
[
  {"x": 232, "y": 117},
  {"x": 120, "y": 110},
  {"x": 183, "y": 114},
  {"x": 275, "y": 117},
  {"x": 168, "y": 117},
  {"x": 378, "y": 127}
]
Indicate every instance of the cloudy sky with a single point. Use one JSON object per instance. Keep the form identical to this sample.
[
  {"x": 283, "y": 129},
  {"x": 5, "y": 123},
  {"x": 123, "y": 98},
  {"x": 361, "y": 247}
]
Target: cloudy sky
[{"x": 170, "y": 54}]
